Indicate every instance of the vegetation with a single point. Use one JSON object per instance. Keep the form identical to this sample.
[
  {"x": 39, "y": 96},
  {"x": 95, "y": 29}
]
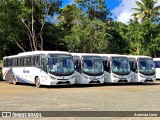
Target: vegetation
[
  {"x": 147, "y": 9},
  {"x": 1, "y": 69},
  {"x": 86, "y": 26}
]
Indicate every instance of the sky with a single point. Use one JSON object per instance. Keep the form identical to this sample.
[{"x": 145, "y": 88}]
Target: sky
[{"x": 121, "y": 9}]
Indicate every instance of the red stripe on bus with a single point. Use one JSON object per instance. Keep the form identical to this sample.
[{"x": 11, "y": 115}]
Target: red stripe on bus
[{"x": 5, "y": 72}]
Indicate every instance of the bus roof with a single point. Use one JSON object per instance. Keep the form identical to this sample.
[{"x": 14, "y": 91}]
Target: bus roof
[
  {"x": 113, "y": 55},
  {"x": 84, "y": 54},
  {"x": 156, "y": 59},
  {"x": 138, "y": 56},
  {"x": 43, "y": 52},
  {"x": 100, "y": 55},
  {"x": 38, "y": 52}
]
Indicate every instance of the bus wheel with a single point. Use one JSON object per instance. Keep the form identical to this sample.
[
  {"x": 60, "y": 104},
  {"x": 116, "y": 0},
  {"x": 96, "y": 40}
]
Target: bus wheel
[
  {"x": 14, "y": 80},
  {"x": 37, "y": 82}
]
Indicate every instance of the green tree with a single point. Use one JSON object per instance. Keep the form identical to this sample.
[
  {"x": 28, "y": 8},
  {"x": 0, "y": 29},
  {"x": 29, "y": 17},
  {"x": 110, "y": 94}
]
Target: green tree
[
  {"x": 86, "y": 35},
  {"x": 66, "y": 17},
  {"x": 144, "y": 38},
  {"x": 25, "y": 21},
  {"x": 94, "y": 9},
  {"x": 118, "y": 40},
  {"x": 12, "y": 33},
  {"x": 37, "y": 11},
  {"x": 147, "y": 9}
]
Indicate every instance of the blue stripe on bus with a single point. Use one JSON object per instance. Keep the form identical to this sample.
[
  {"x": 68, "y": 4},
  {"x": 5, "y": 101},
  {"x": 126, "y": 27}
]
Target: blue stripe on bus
[{"x": 22, "y": 80}]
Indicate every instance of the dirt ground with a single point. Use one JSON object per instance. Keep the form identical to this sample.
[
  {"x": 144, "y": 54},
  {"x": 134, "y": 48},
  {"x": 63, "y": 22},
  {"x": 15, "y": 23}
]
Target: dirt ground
[{"x": 109, "y": 97}]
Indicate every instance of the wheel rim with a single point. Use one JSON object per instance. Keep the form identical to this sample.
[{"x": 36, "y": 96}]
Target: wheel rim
[
  {"x": 14, "y": 80},
  {"x": 37, "y": 82}
]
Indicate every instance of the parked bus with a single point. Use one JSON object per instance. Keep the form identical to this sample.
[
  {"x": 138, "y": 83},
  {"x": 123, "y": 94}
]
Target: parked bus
[
  {"x": 39, "y": 68},
  {"x": 157, "y": 66},
  {"x": 116, "y": 68},
  {"x": 142, "y": 68},
  {"x": 88, "y": 68}
]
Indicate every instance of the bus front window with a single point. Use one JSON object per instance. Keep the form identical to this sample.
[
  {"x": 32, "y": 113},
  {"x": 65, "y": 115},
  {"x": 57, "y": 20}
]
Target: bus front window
[
  {"x": 92, "y": 65},
  {"x": 61, "y": 64},
  {"x": 146, "y": 66},
  {"x": 120, "y": 66}
]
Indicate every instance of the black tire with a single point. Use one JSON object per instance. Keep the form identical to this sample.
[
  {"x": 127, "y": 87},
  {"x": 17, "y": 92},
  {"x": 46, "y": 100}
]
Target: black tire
[
  {"x": 14, "y": 80},
  {"x": 37, "y": 82}
]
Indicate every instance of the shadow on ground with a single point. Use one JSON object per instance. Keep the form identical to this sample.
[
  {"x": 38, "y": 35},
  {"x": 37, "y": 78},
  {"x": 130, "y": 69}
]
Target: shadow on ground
[{"x": 89, "y": 85}]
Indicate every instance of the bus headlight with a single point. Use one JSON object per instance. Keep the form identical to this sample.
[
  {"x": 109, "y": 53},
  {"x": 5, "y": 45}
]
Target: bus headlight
[
  {"x": 141, "y": 76},
  {"x": 102, "y": 77},
  {"x": 85, "y": 77},
  {"x": 52, "y": 77},
  {"x": 115, "y": 76},
  {"x": 72, "y": 77}
]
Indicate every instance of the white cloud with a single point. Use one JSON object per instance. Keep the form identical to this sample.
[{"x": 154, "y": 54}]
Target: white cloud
[
  {"x": 124, "y": 16},
  {"x": 124, "y": 11},
  {"x": 71, "y": 2},
  {"x": 158, "y": 3}
]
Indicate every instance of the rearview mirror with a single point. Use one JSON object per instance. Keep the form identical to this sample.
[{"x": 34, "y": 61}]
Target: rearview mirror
[
  {"x": 134, "y": 66},
  {"x": 77, "y": 64}
]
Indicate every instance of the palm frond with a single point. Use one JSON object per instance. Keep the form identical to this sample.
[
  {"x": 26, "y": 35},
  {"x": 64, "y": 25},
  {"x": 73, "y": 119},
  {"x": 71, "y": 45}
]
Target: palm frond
[
  {"x": 157, "y": 8},
  {"x": 137, "y": 9},
  {"x": 139, "y": 4}
]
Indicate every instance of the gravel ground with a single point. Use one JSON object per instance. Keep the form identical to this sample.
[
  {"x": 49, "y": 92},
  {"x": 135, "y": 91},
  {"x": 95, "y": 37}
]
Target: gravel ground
[{"x": 112, "y": 97}]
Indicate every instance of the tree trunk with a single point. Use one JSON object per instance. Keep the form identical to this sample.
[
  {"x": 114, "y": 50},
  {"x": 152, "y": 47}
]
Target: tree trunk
[{"x": 20, "y": 46}]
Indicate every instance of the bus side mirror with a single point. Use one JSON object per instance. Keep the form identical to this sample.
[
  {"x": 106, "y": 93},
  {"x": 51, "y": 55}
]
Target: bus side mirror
[
  {"x": 105, "y": 63},
  {"x": 108, "y": 65},
  {"x": 77, "y": 64},
  {"x": 134, "y": 66}
]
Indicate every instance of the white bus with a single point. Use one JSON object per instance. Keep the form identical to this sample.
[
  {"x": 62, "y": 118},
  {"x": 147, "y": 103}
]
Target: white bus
[
  {"x": 39, "y": 68},
  {"x": 88, "y": 68},
  {"x": 157, "y": 65},
  {"x": 142, "y": 68},
  {"x": 116, "y": 68}
]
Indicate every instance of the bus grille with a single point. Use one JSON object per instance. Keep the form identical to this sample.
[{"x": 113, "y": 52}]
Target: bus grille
[{"x": 62, "y": 79}]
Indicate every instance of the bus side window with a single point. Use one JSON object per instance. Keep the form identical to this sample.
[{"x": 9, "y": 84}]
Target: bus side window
[
  {"x": 24, "y": 61},
  {"x": 15, "y": 62},
  {"x": 4, "y": 63},
  {"x": 21, "y": 61},
  {"x": 28, "y": 61},
  {"x": 36, "y": 60},
  {"x": 43, "y": 64},
  {"x": 11, "y": 62}
]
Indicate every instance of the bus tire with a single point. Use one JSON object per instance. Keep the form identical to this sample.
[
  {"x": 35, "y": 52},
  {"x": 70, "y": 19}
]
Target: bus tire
[
  {"x": 14, "y": 80},
  {"x": 37, "y": 82}
]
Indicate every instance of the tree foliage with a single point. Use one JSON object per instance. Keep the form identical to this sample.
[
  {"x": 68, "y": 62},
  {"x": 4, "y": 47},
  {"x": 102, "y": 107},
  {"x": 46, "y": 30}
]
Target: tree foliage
[
  {"x": 85, "y": 26},
  {"x": 147, "y": 9},
  {"x": 94, "y": 9}
]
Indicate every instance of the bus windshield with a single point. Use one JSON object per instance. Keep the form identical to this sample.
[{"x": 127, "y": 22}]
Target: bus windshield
[
  {"x": 92, "y": 65},
  {"x": 60, "y": 64},
  {"x": 120, "y": 66},
  {"x": 146, "y": 66},
  {"x": 157, "y": 64}
]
